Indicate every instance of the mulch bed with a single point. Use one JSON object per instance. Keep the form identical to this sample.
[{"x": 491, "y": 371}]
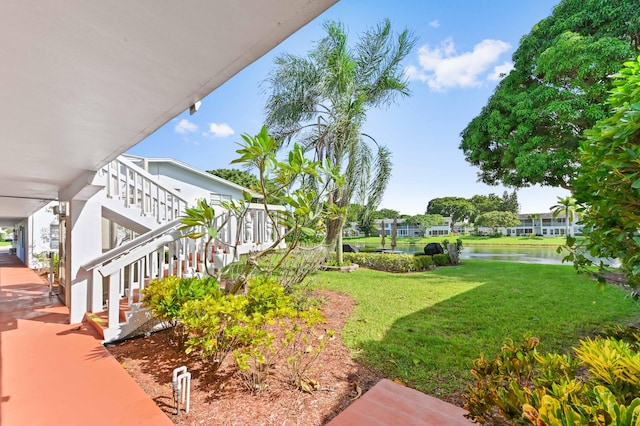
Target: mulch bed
[{"x": 221, "y": 398}]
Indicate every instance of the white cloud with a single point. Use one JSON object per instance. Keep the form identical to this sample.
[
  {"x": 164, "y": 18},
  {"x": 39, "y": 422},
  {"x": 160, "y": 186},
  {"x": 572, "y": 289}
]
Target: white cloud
[
  {"x": 443, "y": 68},
  {"x": 185, "y": 126},
  {"x": 221, "y": 130},
  {"x": 500, "y": 71},
  {"x": 434, "y": 24}
]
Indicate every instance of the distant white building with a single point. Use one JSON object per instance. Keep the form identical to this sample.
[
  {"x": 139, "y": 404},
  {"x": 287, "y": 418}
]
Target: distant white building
[
  {"x": 404, "y": 229},
  {"x": 540, "y": 224},
  {"x": 537, "y": 224},
  {"x": 543, "y": 224}
]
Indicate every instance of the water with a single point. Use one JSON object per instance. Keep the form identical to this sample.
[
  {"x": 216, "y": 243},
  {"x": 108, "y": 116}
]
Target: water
[{"x": 544, "y": 255}]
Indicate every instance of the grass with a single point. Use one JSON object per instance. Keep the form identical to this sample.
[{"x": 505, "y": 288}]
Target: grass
[
  {"x": 467, "y": 240},
  {"x": 425, "y": 329},
  {"x": 5, "y": 243}
]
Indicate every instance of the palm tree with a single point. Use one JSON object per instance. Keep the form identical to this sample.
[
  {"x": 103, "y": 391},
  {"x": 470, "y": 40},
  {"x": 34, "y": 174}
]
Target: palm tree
[
  {"x": 321, "y": 100},
  {"x": 394, "y": 234},
  {"x": 534, "y": 217},
  {"x": 566, "y": 206}
]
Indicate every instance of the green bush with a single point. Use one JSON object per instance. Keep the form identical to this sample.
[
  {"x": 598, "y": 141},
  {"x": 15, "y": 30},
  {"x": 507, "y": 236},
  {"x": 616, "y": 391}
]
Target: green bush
[
  {"x": 422, "y": 262},
  {"x": 215, "y": 324},
  {"x": 165, "y": 298},
  {"x": 600, "y": 385},
  {"x": 387, "y": 262},
  {"x": 441, "y": 259},
  {"x": 368, "y": 250}
]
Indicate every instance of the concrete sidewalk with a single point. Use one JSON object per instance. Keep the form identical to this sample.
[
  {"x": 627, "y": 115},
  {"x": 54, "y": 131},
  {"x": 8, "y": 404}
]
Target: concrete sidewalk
[{"x": 54, "y": 373}]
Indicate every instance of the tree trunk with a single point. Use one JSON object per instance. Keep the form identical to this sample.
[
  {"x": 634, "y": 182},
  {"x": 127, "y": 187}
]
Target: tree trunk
[
  {"x": 452, "y": 249},
  {"x": 334, "y": 236}
]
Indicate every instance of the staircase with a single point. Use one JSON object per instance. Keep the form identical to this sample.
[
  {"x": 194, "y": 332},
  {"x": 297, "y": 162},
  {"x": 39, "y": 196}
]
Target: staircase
[{"x": 133, "y": 197}]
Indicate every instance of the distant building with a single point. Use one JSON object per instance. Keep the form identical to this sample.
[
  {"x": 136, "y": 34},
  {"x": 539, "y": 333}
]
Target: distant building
[{"x": 540, "y": 224}]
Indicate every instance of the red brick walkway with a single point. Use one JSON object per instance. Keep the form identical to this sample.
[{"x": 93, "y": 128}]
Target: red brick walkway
[
  {"x": 54, "y": 373},
  {"x": 389, "y": 403}
]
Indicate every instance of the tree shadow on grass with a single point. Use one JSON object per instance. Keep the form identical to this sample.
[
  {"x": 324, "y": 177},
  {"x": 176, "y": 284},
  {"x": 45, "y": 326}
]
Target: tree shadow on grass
[{"x": 432, "y": 349}]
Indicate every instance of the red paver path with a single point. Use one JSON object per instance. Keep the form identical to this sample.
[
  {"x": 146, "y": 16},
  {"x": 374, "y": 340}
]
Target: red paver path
[
  {"x": 53, "y": 373},
  {"x": 389, "y": 403}
]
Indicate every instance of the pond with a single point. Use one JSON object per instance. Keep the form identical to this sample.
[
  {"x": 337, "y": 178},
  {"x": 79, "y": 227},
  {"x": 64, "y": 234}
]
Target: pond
[{"x": 524, "y": 254}]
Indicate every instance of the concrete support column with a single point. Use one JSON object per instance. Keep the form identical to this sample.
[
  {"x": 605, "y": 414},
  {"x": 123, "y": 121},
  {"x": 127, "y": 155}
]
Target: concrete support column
[{"x": 84, "y": 243}]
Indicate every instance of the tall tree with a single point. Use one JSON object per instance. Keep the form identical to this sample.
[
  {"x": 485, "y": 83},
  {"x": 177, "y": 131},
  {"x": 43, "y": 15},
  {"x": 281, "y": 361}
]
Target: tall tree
[
  {"x": 566, "y": 207},
  {"x": 459, "y": 209},
  {"x": 322, "y": 100},
  {"x": 529, "y": 131},
  {"x": 608, "y": 182},
  {"x": 492, "y": 202},
  {"x": 236, "y": 176},
  {"x": 385, "y": 214},
  {"x": 510, "y": 202},
  {"x": 353, "y": 212},
  {"x": 497, "y": 219},
  {"x": 367, "y": 225},
  {"x": 536, "y": 219}
]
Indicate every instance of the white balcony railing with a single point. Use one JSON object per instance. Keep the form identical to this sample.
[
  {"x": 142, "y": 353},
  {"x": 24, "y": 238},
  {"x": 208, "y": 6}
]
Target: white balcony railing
[{"x": 138, "y": 188}]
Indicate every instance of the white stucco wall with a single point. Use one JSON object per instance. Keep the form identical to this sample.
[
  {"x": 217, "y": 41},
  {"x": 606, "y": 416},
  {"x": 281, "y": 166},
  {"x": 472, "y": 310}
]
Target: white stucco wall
[{"x": 37, "y": 239}]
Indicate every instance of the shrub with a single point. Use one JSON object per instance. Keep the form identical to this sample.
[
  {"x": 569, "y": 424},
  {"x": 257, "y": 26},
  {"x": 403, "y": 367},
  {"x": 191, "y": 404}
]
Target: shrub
[
  {"x": 301, "y": 347},
  {"x": 498, "y": 391},
  {"x": 254, "y": 362},
  {"x": 384, "y": 262},
  {"x": 166, "y": 297},
  {"x": 441, "y": 259},
  {"x": 422, "y": 262},
  {"x": 598, "y": 386},
  {"x": 217, "y": 325}
]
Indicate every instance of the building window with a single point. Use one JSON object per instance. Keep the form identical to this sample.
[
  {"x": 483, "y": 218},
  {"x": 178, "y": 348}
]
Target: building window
[{"x": 217, "y": 199}]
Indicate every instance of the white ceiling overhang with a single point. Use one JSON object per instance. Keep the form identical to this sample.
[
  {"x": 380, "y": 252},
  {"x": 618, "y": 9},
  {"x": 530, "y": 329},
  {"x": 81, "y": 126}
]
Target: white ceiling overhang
[{"x": 82, "y": 81}]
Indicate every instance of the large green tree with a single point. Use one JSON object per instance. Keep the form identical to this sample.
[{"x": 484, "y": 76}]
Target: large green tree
[
  {"x": 385, "y": 214},
  {"x": 497, "y": 219},
  {"x": 492, "y": 202},
  {"x": 529, "y": 131},
  {"x": 236, "y": 176},
  {"x": 322, "y": 100},
  {"x": 608, "y": 182},
  {"x": 459, "y": 209}
]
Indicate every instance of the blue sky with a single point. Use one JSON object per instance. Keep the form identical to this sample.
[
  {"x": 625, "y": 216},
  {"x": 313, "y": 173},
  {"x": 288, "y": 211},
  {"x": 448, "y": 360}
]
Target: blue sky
[{"x": 462, "y": 46}]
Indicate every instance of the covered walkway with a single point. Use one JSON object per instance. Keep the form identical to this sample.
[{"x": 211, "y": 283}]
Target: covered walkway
[{"x": 54, "y": 373}]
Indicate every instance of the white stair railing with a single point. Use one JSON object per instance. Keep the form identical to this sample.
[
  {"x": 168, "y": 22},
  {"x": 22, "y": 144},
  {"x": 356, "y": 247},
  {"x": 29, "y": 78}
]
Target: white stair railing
[
  {"x": 138, "y": 188},
  {"x": 118, "y": 276}
]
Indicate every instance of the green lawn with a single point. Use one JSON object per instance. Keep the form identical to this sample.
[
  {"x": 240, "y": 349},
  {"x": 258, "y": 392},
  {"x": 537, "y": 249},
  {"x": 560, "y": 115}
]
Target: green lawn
[
  {"x": 425, "y": 328},
  {"x": 5, "y": 243},
  {"x": 467, "y": 240}
]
